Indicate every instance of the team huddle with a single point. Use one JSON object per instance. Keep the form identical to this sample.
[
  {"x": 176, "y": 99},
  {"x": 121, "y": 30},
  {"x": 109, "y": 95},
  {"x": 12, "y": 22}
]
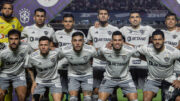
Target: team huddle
[{"x": 67, "y": 62}]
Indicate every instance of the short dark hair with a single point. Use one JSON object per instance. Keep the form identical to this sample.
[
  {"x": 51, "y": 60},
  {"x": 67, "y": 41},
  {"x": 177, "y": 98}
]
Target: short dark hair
[
  {"x": 158, "y": 32},
  {"x": 134, "y": 11},
  {"x": 77, "y": 34},
  {"x": 118, "y": 33},
  {"x": 14, "y": 31},
  {"x": 40, "y": 10},
  {"x": 103, "y": 9},
  {"x": 7, "y": 3},
  {"x": 68, "y": 15},
  {"x": 171, "y": 14},
  {"x": 44, "y": 38}
]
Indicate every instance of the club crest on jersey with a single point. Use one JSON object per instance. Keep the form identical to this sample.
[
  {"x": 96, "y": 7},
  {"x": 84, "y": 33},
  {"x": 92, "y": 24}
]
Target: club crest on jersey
[
  {"x": 85, "y": 58},
  {"x": 33, "y": 32},
  {"x": 142, "y": 31},
  {"x": 124, "y": 57},
  {"x": 46, "y": 32},
  {"x": 109, "y": 32},
  {"x": 13, "y": 26},
  {"x": 21, "y": 54},
  {"x": 2, "y": 46},
  {"x": 39, "y": 63},
  {"x": 96, "y": 32},
  {"x": 174, "y": 36},
  {"x": 166, "y": 58}
]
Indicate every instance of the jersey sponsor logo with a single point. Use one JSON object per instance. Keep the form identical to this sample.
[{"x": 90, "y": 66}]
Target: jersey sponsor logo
[
  {"x": 171, "y": 43},
  {"x": 136, "y": 61},
  {"x": 136, "y": 38},
  {"x": 116, "y": 64},
  {"x": 101, "y": 39},
  {"x": 2, "y": 36},
  {"x": 80, "y": 64},
  {"x": 44, "y": 69},
  {"x": 46, "y": 32},
  {"x": 157, "y": 65},
  {"x": 24, "y": 15},
  {"x": 34, "y": 39}
]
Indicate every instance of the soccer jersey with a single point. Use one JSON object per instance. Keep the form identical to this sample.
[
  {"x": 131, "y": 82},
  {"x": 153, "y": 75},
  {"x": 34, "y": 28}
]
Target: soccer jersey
[
  {"x": 5, "y": 27},
  {"x": 79, "y": 63},
  {"x": 46, "y": 67},
  {"x": 117, "y": 67},
  {"x": 137, "y": 37},
  {"x": 13, "y": 61},
  {"x": 160, "y": 65},
  {"x": 172, "y": 37},
  {"x": 63, "y": 38},
  {"x": 100, "y": 36},
  {"x": 33, "y": 33}
]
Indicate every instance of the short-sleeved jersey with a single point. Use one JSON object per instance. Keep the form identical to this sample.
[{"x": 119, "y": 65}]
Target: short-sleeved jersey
[
  {"x": 12, "y": 62},
  {"x": 172, "y": 37},
  {"x": 79, "y": 63},
  {"x": 5, "y": 27},
  {"x": 33, "y": 33},
  {"x": 46, "y": 67},
  {"x": 63, "y": 38},
  {"x": 137, "y": 37},
  {"x": 160, "y": 65},
  {"x": 100, "y": 36},
  {"x": 118, "y": 62}
]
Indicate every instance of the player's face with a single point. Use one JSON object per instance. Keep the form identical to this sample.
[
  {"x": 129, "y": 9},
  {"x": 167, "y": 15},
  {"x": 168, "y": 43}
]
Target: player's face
[
  {"x": 117, "y": 42},
  {"x": 103, "y": 16},
  {"x": 68, "y": 23},
  {"x": 158, "y": 42},
  {"x": 171, "y": 22},
  {"x": 77, "y": 42},
  {"x": 44, "y": 46},
  {"x": 14, "y": 41},
  {"x": 7, "y": 11},
  {"x": 135, "y": 19},
  {"x": 39, "y": 18}
]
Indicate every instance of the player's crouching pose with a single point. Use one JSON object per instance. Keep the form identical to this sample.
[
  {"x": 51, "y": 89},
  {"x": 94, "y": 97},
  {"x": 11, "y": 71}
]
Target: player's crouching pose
[
  {"x": 79, "y": 70},
  {"x": 117, "y": 71},
  {"x": 160, "y": 59},
  {"x": 12, "y": 60},
  {"x": 45, "y": 63}
]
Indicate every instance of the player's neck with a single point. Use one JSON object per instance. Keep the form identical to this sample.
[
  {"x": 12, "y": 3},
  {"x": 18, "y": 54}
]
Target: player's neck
[
  {"x": 172, "y": 28},
  {"x": 103, "y": 24},
  {"x": 160, "y": 50},
  {"x": 45, "y": 54},
  {"x": 6, "y": 19},
  {"x": 68, "y": 30},
  {"x": 135, "y": 27},
  {"x": 40, "y": 25}
]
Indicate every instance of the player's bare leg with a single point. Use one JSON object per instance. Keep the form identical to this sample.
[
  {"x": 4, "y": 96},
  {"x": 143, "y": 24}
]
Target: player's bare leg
[
  {"x": 148, "y": 95},
  {"x": 57, "y": 96},
  {"x": 21, "y": 93},
  {"x": 73, "y": 95},
  {"x": 87, "y": 95},
  {"x": 132, "y": 96},
  {"x": 178, "y": 98},
  {"x": 103, "y": 96}
]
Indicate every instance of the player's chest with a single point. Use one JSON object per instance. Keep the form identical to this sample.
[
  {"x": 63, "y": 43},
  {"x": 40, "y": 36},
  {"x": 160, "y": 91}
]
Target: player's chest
[
  {"x": 45, "y": 63},
  {"x": 78, "y": 59}
]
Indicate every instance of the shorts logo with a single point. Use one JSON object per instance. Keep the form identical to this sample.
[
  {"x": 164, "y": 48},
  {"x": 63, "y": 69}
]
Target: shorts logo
[
  {"x": 24, "y": 15},
  {"x": 46, "y": 32}
]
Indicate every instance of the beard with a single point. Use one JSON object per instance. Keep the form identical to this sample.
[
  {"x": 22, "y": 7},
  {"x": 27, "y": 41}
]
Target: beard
[
  {"x": 103, "y": 23},
  {"x": 7, "y": 16}
]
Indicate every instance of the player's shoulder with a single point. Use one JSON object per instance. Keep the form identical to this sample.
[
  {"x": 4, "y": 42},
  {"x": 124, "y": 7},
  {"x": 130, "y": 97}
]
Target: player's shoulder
[
  {"x": 35, "y": 54},
  {"x": 92, "y": 28},
  {"x": 113, "y": 27},
  {"x": 104, "y": 49},
  {"x": 48, "y": 26},
  {"x": 53, "y": 52},
  {"x": 89, "y": 48},
  {"x": 128, "y": 47},
  {"x": 170, "y": 48},
  {"x": 29, "y": 27},
  {"x": 59, "y": 32},
  {"x": 67, "y": 48}
]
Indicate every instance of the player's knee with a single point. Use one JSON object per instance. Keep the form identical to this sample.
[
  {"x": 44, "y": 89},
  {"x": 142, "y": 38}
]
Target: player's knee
[
  {"x": 178, "y": 98},
  {"x": 21, "y": 97},
  {"x": 100, "y": 100},
  {"x": 73, "y": 98},
  {"x": 36, "y": 97},
  {"x": 134, "y": 100},
  {"x": 87, "y": 98}
]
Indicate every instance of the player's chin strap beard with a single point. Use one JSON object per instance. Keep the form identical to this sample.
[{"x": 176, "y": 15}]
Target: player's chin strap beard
[{"x": 103, "y": 23}]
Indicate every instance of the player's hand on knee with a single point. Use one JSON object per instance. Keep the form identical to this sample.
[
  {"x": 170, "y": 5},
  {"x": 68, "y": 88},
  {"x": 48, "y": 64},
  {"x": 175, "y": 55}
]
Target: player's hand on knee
[
  {"x": 1, "y": 92},
  {"x": 33, "y": 87}
]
